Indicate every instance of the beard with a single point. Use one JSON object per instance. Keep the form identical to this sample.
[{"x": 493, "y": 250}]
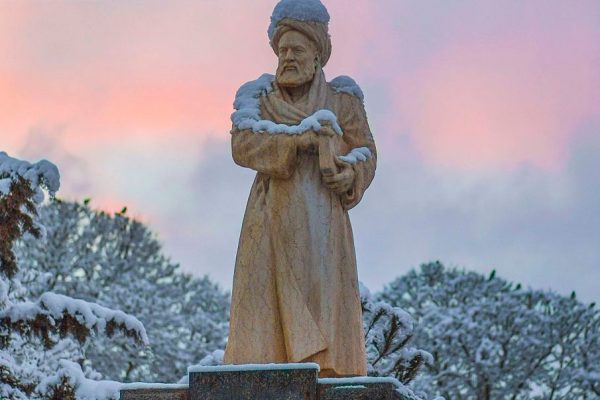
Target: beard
[{"x": 294, "y": 75}]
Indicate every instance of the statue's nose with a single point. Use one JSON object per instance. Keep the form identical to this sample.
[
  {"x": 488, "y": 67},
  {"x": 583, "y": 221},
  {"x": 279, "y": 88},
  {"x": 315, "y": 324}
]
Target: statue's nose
[{"x": 289, "y": 54}]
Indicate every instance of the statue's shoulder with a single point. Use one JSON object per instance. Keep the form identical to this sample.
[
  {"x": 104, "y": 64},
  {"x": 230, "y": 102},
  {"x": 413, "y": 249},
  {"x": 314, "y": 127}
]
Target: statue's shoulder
[
  {"x": 345, "y": 84},
  {"x": 247, "y": 101},
  {"x": 255, "y": 88}
]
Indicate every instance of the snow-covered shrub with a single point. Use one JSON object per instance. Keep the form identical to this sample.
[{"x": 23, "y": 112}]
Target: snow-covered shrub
[
  {"x": 491, "y": 339},
  {"x": 388, "y": 338}
]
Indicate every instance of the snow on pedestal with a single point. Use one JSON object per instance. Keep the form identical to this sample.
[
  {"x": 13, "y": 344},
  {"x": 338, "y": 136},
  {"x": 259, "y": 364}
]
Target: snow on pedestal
[{"x": 269, "y": 382}]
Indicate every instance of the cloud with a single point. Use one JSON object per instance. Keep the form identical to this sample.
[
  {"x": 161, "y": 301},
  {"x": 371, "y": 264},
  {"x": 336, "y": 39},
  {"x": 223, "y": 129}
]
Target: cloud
[
  {"x": 203, "y": 232},
  {"x": 47, "y": 143},
  {"x": 532, "y": 225},
  {"x": 509, "y": 85},
  {"x": 479, "y": 110}
]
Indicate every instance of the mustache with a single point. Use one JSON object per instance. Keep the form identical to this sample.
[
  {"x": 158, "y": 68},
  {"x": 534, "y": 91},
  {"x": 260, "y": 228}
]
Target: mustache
[{"x": 289, "y": 65}]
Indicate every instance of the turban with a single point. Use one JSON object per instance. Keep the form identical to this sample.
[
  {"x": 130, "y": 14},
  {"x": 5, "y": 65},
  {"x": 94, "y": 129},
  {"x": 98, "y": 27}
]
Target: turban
[{"x": 317, "y": 32}]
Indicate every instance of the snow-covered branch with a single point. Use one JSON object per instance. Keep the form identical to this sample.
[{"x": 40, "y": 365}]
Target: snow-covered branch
[{"x": 58, "y": 313}]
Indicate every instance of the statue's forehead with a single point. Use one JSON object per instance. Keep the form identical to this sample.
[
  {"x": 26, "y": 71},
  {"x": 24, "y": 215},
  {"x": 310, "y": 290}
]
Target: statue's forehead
[{"x": 295, "y": 38}]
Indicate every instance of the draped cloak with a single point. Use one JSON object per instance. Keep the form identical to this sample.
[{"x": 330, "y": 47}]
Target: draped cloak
[{"x": 295, "y": 290}]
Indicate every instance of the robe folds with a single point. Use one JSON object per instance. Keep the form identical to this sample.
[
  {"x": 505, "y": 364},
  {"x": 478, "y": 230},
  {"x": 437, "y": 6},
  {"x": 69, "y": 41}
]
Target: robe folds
[{"x": 295, "y": 291}]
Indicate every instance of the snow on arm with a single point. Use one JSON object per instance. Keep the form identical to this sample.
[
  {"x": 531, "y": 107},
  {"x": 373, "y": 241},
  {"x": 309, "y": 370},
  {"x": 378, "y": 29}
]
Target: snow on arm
[
  {"x": 345, "y": 84},
  {"x": 247, "y": 114},
  {"x": 357, "y": 155}
]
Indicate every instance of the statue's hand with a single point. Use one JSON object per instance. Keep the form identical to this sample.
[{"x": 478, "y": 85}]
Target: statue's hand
[
  {"x": 343, "y": 180},
  {"x": 307, "y": 140},
  {"x": 326, "y": 130}
]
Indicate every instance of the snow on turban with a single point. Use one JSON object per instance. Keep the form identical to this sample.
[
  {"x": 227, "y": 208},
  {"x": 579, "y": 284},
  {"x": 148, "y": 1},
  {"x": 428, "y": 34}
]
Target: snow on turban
[{"x": 309, "y": 17}]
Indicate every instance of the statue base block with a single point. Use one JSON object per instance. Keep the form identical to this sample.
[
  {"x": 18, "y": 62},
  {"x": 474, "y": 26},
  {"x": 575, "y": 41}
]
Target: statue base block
[
  {"x": 276, "y": 381},
  {"x": 155, "y": 392},
  {"x": 267, "y": 382},
  {"x": 360, "y": 388}
]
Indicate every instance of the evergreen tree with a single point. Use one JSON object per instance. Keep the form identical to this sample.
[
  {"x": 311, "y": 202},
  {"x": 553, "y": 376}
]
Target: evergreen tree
[{"x": 34, "y": 334}]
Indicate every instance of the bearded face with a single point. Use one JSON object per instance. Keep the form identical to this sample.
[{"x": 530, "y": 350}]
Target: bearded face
[{"x": 297, "y": 60}]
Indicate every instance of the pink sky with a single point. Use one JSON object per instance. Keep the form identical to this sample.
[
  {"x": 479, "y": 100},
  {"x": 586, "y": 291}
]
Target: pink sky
[
  {"x": 477, "y": 87},
  {"x": 504, "y": 82}
]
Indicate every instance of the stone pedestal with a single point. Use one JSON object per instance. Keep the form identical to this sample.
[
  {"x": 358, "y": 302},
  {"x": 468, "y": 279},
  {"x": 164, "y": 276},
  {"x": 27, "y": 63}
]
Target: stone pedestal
[
  {"x": 268, "y": 382},
  {"x": 155, "y": 392},
  {"x": 255, "y": 382},
  {"x": 362, "y": 388}
]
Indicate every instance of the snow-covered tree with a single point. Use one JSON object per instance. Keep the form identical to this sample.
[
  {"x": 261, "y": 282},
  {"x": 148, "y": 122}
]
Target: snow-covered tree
[
  {"x": 34, "y": 334},
  {"x": 116, "y": 261},
  {"x": 491, "y": 339},
  {"x": 388, "y": 338}
]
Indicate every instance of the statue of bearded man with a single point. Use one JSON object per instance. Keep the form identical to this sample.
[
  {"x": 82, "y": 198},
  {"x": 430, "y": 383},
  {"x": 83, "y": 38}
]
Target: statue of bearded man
[{"x": 295, "y": 290}]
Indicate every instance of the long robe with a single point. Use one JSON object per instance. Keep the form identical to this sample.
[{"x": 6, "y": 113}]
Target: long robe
[{"x": 295, "y": 290}]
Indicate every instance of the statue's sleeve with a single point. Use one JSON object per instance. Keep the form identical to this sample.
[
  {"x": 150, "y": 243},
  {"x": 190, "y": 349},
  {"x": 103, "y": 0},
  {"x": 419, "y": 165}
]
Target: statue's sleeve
[
  {"x": 357, "y": 134},
  {"x": 273, "y": 155}
]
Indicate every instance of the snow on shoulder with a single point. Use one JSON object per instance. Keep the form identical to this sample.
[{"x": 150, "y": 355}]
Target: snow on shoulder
[
  {"x": 247, "y": 114},
  {"x": 345, "y": 84},
  {"x": 300, "y": 10}
]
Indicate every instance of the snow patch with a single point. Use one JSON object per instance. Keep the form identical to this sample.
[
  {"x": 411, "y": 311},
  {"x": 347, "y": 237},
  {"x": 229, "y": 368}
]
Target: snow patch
[
  {"x": 41, "y": 174},
  {"x": 247, "y": 114},
  {"x": 346, "y": 84},
  {"x": 356, "y": 155},
  {"x": 300, "y": 10},
  {"x": 5, "y": 186},
  {"x": 211, "y": 360},
  {"x": 144, "y": 385},
  {"x": 91, "y": 315},
  {"x": 85, "y": 388},
  {"x": 253, "y": 367},
  {"x": 360, "y": 380}
]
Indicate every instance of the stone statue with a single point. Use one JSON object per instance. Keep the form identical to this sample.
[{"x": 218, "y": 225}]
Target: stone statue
[{"x": 295, "y": 290}]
